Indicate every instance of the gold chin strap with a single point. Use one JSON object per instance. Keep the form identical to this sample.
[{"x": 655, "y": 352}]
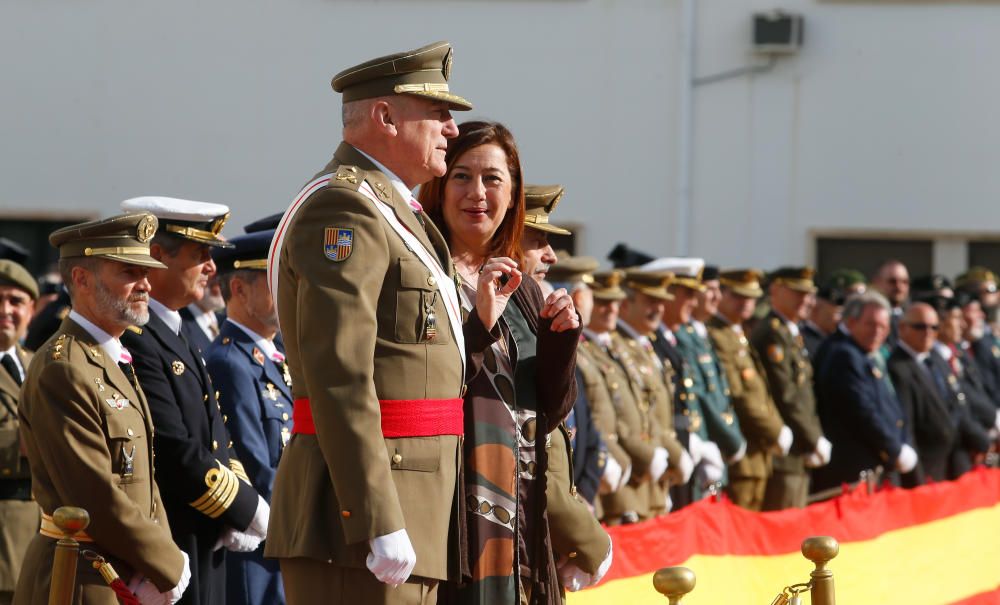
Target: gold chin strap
[
  {"x": 425, "y": 87},
  {"x": 115, "y": 250},
  {"x": 250, "y": 264},
  {"x": 538, "y": 219},
  {"x": 191, "y": 232}
]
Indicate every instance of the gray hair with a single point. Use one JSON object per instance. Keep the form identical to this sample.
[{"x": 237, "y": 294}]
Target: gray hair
[
  {"x": 856, "y": 305},
  {"x": 353, "y": 112}
]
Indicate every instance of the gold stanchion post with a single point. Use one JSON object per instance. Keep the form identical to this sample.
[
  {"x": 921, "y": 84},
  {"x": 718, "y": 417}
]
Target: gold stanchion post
[
  {"x": 674, "y": 583},
  {"x": 70, "y": 521},
  {"x": 821, "y": 550}
]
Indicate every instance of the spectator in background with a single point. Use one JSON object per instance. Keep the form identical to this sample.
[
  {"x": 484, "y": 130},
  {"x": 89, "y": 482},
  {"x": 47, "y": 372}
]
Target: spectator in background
[
  {"x": 892, "y": 280},
  {"x": 826, "y": 313}
]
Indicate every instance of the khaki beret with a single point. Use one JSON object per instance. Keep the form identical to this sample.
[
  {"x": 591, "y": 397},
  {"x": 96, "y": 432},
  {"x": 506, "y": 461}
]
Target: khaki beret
[
  {"x": 539, "y": 202},
  {"x": 123, "y": 238},
  {"x": 607, "y": 285},
  {"x": 423, "y": 72},
  {"x": 651, "y": 283},
  {"x": 13, "y": 274},
  {"x": 745, "y": 282}
]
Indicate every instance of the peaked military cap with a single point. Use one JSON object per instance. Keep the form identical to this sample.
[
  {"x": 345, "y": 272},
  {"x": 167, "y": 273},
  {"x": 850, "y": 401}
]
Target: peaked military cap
[
  {"x": 423, "y": 72},
  {"x": 123, "y": 238},
  {"x": 13, "y": 274},
  {"x": 539, "y": 202},
  {"x": 745, "y": 282},
  {"x": 651, "y": 283},
  {"x": 687, "y": 272},
  {"x": 607, "y": 285},
  {"x": 11, "y": 250},
  {"x": 977, "y": 277},
  {"x": 621, "y": 256},
  {"x": 247, "y": 252},
  {"x": 201, "y": 222},
  {"x": 573, "y": 269},
  {"x": 263, "y": 224},
  {"x": 799, "y": 279}
]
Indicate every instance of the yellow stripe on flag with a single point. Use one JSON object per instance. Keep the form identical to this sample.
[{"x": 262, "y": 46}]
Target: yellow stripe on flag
[{"x": 930, "y": 564}]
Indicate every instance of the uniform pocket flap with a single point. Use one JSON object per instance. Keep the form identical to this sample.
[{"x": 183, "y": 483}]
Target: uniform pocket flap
[
  {"x": 414, "y": 453},
  {"x": 118, "y": 430},
  {"x": 413, "y": 274}
]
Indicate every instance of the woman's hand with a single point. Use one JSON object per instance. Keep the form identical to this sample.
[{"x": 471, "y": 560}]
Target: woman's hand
[
  {"x": 498, "y": 279},
  {"x": 559, "y": 307}
]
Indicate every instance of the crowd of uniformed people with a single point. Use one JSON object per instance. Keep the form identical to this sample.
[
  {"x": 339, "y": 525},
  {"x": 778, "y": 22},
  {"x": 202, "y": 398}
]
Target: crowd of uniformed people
[{"x": 450, "y": 409}]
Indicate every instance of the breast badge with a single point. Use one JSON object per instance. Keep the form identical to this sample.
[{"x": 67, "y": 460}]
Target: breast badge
[{"x": 177, "y": 367}]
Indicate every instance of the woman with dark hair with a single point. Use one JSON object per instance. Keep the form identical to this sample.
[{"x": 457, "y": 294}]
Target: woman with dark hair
[{"x": 519, "y": 387}]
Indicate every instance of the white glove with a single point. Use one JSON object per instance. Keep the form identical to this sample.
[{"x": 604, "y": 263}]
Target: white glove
[
  {"x": 626, "y": 475},
  {"x": 824, "y": 448},
  {"x": 612, "y": 477},
  {"x": 813, "y": 461},
  {"x": 785, "y": 438},
  {"x": 711, "y": 472},
  {"x": 711, "y": 455},
  {"x": 658, "y": 465},
  {"x": 686, "y": 466},
  {"x": 740, "y": 453},
  {"x": 238, "y": 541},
  {"x": 392, "y": 558},
  {"x": 907, "y": 459},
  {"x": 668, "y": 503},
  {"x": 606, "y": 563},
  {"x": 574, "y": 578},
  {"x": 694, "y": 448},
  {"x": 148, "y": 594},
  {"x": 258, "y": 526}
]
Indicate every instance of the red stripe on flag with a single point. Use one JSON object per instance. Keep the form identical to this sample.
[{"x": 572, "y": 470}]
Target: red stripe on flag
[{"x": 983, "y": 598}]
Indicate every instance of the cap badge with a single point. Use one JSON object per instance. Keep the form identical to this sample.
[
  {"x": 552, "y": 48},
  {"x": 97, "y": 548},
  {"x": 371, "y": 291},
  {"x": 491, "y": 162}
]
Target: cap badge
[
  {"x": 146, "y": 229},
  {"x": 338, "y": 243},
  {"x": 446, "y": 70},
  {"x": 177, "y": 367}
]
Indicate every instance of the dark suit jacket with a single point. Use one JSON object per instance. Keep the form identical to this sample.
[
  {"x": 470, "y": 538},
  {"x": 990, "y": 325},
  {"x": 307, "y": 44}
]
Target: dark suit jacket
[
  {"x": 860, "y": 417},
  {"x": 204, "y": 485},
  {"x": 193, "y": 332},
  {"x": 589, "y": 453},
  {"x": 986, "y": 353},
  {"x": 932, "y": 419},
  {"x": 812, "y": 337}
]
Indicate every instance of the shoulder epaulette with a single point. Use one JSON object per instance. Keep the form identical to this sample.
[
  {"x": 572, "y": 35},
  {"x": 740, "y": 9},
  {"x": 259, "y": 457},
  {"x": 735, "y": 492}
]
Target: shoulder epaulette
[
  {"x": 135, "y": 329},
  {"x": 56, "y": 351}
]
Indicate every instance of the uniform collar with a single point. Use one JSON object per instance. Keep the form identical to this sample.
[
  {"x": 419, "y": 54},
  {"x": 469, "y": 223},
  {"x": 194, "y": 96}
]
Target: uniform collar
[
  {"x": 266, "y": 346},
  {"x": 792, "y": 326},
  {"x": 203, "y": 317},
  {"x": 700, "y": 328},
  {"x": 12, "y": 351},
  {"x": 169, "y": 316},
  {"x": 111, "y": 345},
  {"x": 603, "y": 339},
  {"x": 397, "y": 183}
]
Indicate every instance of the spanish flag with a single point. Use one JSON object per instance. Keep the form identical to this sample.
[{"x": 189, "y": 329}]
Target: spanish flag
[{"x": 934, "y": 545}]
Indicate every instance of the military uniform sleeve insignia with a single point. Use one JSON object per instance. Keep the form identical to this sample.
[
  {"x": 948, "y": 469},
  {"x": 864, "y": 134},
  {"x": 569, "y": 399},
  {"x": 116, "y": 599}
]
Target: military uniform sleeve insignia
[
  {"x": 177, "y": 367},
  {"x": 222, "y": 486},
  {"x": 338, "y": 243},
  {"x": 775, "y": 353}
]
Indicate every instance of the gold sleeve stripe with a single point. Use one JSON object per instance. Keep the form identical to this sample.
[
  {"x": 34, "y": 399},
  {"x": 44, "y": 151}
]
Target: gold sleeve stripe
[
  {"x": 241, "y": 472},
  {"x": 222, "y": 488}
]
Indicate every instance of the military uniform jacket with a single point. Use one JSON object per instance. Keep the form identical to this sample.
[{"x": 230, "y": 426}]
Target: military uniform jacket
[
  {"x": 760, "y": 421},
  {"x": 354, "y": 331},
  {"x": 205, "y": 489},
  {"x": 18, "y": 515},
  {"x": 575, "y": 532},
  {"x": 688, "y": 415},
  {"x": 256, "y": 403},
  {"x": 710, "y": 388},
  {"x": 790, "y": 376},
  {"x": 82, "y": 419},
  {"x": 603, "y": 406}
]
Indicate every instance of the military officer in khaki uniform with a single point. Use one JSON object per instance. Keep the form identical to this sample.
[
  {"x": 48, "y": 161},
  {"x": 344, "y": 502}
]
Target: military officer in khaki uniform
[
  {"x": 652, "y": 381},
  {"x": 760, "y": 420},
  {"x": 87, "y": 427},
  {"x": 19, "y": 513},
  {"x": 778, "y": 342},
  {"x": 365, "y": 494},
  {"x": 539, "y": 202}
]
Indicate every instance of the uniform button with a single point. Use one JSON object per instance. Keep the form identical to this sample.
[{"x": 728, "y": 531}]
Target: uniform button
[
  {"x": 225, "y": 418},
  {"x": 230, "y": 445},
  {"x": 205, "y": 398},
  {"x": 345, "y": 514},
  {"x": 284, "y": 416},
  {"x": 431, "y": 281},
  {"x": 397, "y": 458},
  {"x": 572, "y": 555},
  {"x": 215, "y": 445}
]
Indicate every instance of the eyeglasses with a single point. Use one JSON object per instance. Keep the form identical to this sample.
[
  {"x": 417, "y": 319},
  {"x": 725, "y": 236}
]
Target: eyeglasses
[
  {"x": 923, "y": 327},
  {"x": 484, "y": 508}
]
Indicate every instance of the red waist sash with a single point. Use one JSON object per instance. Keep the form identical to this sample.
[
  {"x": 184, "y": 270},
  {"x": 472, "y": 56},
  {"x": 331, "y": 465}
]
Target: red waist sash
[{"x": 400, "y": 417}]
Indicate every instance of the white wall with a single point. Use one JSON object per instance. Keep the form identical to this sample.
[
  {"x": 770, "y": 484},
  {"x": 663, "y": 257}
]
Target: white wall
[{"x": 887, "y": 120}]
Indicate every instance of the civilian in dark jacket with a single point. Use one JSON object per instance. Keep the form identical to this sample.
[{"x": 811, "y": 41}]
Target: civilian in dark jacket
[{"x": 859, "y": 414}]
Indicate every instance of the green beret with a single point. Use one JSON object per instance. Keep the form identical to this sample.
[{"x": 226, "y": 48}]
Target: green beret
[{"x": 13, "y": 274}]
